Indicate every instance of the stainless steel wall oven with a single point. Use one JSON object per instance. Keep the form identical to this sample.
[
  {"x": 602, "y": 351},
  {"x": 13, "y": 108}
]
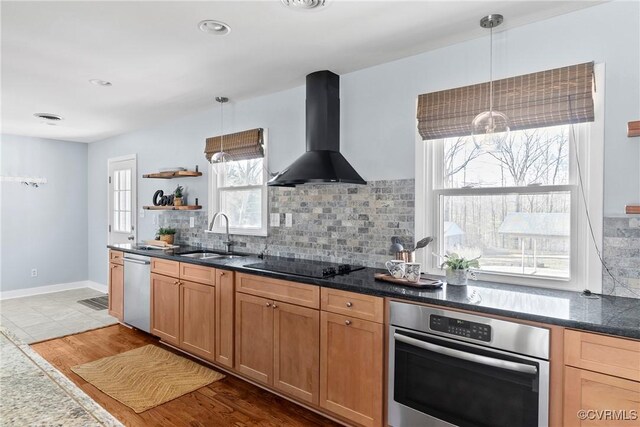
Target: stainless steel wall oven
[{"x": 455, "y": 369}]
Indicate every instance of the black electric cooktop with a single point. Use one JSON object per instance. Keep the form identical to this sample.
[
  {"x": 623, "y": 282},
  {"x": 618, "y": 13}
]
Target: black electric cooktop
[{"x": 306, "y": 268}]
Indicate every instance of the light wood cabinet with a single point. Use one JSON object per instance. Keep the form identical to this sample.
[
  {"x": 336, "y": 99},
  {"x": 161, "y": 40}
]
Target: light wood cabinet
[
  {"x": 280, "y": 290},
  {"x": 225, "y": 309},
  {"x": 608, "y": 400},
  {"x": 116, "y": 290},
  {"x": 116, "y": 257},
  {"x": 197, "y": 319},
  {"x": 165, "y": 308},
  {"x": 365, "y": 307},
  {"x": 296, "y": 354},
  {"x": 254, "y": 337},
  {"x": 601, "y": 353},
  {"x": 165, "y": 267},
  {"x": 351, "y": 368},
  {"x": 197, "y": 273}
]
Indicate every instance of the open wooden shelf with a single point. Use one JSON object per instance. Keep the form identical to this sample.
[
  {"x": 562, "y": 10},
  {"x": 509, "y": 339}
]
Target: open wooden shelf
[
  {"x": 632, "y": 210},
  {"x": 173, "y": 208},
  {"x": 171, "y": 175}
]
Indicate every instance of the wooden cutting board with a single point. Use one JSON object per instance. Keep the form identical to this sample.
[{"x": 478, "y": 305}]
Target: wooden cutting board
[{"x": 423, "y": 283}]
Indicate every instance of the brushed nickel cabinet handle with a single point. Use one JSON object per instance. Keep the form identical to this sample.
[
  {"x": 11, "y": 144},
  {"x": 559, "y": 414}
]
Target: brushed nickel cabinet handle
[
  {"x": 222, "y": 273},
  {"x": 268, "y": 304},
  {"x": 274, "y": 305},
  {"x": 347, "y": 322},
  {"x": 349, "y": 304}
]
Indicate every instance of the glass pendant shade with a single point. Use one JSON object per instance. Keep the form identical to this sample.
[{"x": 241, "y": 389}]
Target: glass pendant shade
[
  {"x": 221, "y": 156},
  {"x": 490, "y": 127}
]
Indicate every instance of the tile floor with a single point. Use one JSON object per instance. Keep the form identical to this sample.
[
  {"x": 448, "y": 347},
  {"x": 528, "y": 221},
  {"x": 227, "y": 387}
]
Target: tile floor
[{"x": 53, "y": 315}]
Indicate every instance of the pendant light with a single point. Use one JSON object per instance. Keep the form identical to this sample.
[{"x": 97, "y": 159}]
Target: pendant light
[
  {"x": 486, "y": 124},
  {"x": 221, "y": 156}
]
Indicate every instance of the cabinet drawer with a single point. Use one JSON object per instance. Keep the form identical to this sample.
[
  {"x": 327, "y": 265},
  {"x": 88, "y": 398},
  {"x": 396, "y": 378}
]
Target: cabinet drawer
[
  {"x": 281, "y": 290},
  {"x": 365, "y": 307},
  {"x": 198, "y": 273},
  {"x": 165, "y": 267},
  {"x": 600, "y": 353},
  {"x": 116, "y": 257}
]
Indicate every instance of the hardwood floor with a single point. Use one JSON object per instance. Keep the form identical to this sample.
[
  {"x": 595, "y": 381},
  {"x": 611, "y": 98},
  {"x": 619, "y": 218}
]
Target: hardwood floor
[{"x": 228, "y": 402}]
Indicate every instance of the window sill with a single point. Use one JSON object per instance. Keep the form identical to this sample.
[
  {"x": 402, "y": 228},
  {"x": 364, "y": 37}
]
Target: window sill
[{"x": 239, "y": 232}]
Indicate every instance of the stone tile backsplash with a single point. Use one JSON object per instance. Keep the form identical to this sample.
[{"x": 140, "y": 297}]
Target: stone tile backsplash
[
  {"x": 622, "y": 256},
  {"x": 355, "y": 224},
  {"x": 336, "y": 223}
]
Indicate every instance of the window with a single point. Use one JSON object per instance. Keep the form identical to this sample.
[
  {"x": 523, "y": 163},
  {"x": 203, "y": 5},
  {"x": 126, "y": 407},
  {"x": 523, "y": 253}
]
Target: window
[
  {"x": 238, "y": 188},
  {"x": 515, "y": 201},
  {"x": 510, "y": 202}
]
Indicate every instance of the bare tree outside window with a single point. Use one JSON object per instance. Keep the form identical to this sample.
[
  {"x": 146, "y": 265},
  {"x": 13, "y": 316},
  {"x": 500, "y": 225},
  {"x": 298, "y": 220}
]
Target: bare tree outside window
[{"x": 511, "y": 204}]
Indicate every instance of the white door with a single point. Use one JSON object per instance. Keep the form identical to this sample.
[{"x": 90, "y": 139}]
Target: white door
[{"x": 122, "y": 199}]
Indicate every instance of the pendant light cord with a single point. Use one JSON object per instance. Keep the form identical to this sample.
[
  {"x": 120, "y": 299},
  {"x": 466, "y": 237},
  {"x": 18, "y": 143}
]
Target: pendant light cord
[
  {"x": 491, "y": 75},
  {"x": 222, "y": 129}
]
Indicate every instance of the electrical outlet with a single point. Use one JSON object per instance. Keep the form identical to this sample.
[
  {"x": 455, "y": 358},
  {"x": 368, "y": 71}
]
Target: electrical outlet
[
  {"x": 192, "y": 221},
  {"x": 288, "y": 220},
  {"x": 34, "y": 272},
  {"x": 275, "y": 220},
  {"x": 155, "y": 219},
  {"x": 141, "y": 213}
]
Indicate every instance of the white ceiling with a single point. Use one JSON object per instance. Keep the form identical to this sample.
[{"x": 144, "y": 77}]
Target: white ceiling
[{"x": 163, "y": 67}]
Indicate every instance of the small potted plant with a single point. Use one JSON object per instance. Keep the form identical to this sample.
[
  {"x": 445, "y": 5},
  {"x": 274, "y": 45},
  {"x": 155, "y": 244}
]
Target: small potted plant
[
  {"x": 177, "y": 196},
  {"x": 166, "y": 235},
  {"x": 457, "y": 268}
]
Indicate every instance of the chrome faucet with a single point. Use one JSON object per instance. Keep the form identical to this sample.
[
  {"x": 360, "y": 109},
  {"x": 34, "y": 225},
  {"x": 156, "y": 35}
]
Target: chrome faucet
[{"x": 228, "y": 242}]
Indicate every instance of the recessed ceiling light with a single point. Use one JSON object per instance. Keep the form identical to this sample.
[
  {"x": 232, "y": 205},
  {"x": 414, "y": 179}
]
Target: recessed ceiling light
[
  {"x": 99, "y": 82},
  {"x": 303, "y": 4},
  {"x": 214, "y": 27},
  {"x": 48, "y": 117}
]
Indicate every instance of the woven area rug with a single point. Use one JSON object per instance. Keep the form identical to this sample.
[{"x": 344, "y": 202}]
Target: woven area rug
[{"x": 146, "y": 377}]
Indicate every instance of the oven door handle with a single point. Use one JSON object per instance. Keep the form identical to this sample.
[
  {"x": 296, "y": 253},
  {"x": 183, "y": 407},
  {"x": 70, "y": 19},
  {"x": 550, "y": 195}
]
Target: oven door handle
[{"x": 484, "y": 360}]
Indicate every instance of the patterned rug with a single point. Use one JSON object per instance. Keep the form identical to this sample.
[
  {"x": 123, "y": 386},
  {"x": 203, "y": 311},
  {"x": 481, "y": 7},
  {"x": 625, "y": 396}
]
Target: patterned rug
[{"x": 146, "y": 377}]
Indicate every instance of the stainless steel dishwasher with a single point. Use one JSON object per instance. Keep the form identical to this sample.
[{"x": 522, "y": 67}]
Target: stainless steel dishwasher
[{"x": 137, "y": 288}]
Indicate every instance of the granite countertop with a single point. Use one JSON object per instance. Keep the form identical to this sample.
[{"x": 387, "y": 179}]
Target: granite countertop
[
  {"x": 35, "y": 393},
  {"x": 605, "y": 314}
]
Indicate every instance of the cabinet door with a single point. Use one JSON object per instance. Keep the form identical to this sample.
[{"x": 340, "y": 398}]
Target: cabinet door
[
  {"x": 224, "y": 317},
  {"x": 351, "y": 368},
  {"x": 197, "y": 319},
  {"x": 296, "y": 356},
  {"x": 116, "y": 290},
  {"x": 254, "y": 337},
  {"x": 165, "y": 308},
  {"x": 609, "y": 401}
]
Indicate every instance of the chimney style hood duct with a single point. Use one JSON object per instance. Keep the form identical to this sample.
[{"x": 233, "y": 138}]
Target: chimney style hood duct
[{"x": 322, "y": 163}]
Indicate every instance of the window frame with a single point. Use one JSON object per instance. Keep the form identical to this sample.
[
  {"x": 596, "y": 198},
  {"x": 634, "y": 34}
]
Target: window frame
[
  {"x": 585, "y": 266},
  {"x": 216, "y": 190}
]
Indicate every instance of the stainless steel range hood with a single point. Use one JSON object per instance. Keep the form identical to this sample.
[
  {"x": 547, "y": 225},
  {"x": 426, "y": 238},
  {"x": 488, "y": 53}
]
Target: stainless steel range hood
[{"x": 322, "y": 163}]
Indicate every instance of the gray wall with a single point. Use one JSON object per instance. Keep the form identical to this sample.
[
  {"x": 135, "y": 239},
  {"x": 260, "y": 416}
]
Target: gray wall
[
  {"x": 45, "y": 227},
  {"x": 378, "y": 112}
]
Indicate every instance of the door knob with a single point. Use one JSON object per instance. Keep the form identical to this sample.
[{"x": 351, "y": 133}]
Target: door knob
[
  {"x": 347, "y": 322},
  {"x": 349, "y": 304}
]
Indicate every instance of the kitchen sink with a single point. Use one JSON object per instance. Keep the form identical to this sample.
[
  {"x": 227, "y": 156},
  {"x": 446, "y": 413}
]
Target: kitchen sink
[{"x": 204, "y": 254}]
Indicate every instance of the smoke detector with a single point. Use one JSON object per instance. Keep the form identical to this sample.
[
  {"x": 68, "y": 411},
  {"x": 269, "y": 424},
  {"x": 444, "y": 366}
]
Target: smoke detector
[
  {"x": 303, "y": 4},
  {"x": 50, "y": 119}
]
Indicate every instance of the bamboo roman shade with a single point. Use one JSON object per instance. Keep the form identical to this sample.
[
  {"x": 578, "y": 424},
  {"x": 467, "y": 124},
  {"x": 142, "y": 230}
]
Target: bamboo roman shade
[
  {"x": 243, "y": 145},
  {"x": 547, "y": 98}
]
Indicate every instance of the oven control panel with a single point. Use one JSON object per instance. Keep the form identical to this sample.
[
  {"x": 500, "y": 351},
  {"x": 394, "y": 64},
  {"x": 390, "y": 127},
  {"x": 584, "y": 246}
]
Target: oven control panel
[{"x": 462, "y": 328}]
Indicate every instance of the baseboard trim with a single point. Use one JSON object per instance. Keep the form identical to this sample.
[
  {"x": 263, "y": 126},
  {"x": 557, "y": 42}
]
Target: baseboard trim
[{"x": 39, "y": 290}]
